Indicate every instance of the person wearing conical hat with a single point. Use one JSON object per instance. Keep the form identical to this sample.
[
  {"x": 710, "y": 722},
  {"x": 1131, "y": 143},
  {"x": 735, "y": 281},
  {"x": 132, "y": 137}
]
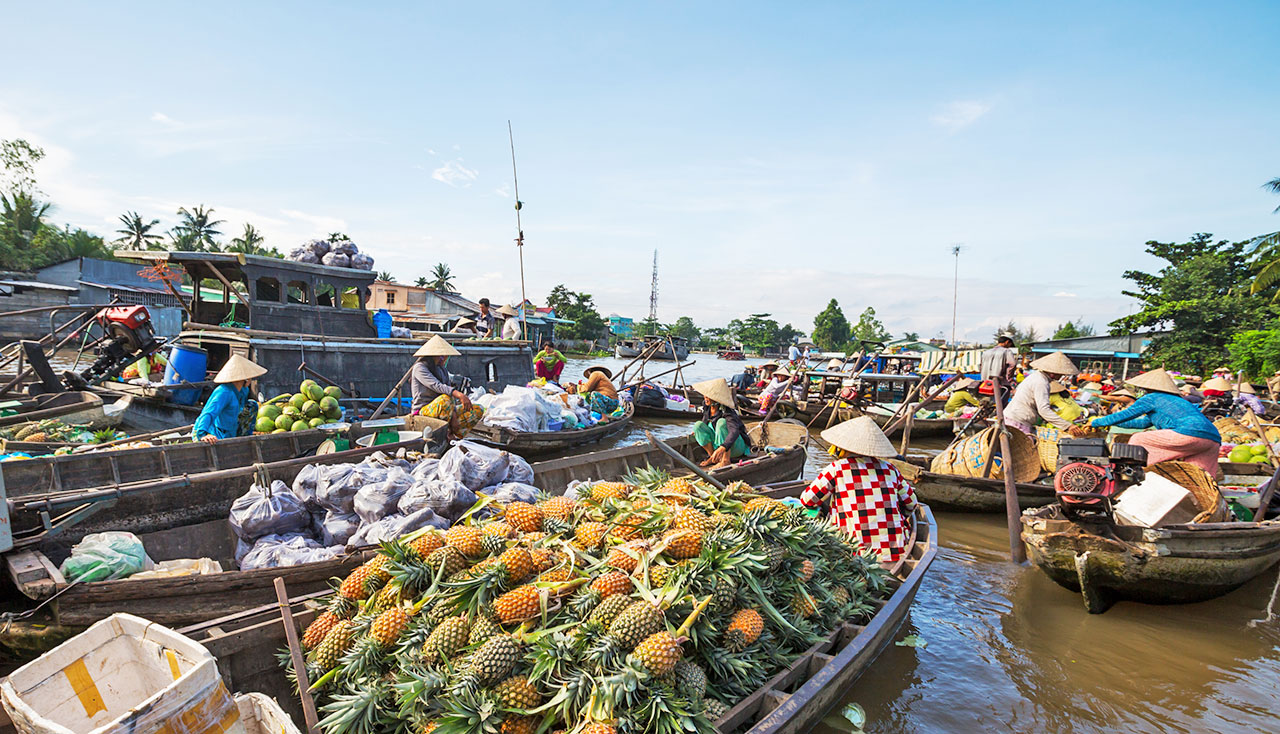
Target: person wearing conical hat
[
  {"x": 1118, "y": 400},
  {"x": 465, "y": 326},
  {"x": 773, "y": 390},
  {"x": 870, "y": 499},
  {"x": 721, "y": 432},
  {"x": 1180, "y": 431},
  {"x": 511, "y": 324},
  {"x": 433, "y": 392},
  {"x": 1031, "y": 402},
  {"x": 1247, "y": 397},
  {"x": 220, "y": 416},
  {"x": 596, "y": 389},
  {"x": 961, "y": 395}
]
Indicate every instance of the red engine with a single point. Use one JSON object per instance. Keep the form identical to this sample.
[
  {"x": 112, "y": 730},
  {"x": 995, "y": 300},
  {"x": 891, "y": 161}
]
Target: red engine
[
  {"x": 1073, "y": 480},
  {"x": 130, "y": 317},
  {"x": 1089, "y": 474}
]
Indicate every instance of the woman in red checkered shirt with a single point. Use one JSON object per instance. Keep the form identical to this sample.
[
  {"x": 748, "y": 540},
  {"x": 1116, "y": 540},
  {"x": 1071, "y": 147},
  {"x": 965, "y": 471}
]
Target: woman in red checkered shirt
[{"x": 870, "y": 499}]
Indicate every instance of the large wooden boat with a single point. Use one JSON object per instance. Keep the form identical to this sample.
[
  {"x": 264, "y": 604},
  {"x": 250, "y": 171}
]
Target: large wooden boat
[
  {"x": 953, "y": 493},
  {"x": 1174, "y": 564},
  {"x": 671, "y": 414},
  {"x": 534, "y": 444},
  {"x": 791, "y": 702},
  {"x": 68, "y": 407},
  {"x": 629, "y": 348}
]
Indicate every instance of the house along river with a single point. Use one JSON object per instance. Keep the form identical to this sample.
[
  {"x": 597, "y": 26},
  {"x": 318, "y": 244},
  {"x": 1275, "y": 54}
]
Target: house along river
[{"x": 1006, "y": 649}]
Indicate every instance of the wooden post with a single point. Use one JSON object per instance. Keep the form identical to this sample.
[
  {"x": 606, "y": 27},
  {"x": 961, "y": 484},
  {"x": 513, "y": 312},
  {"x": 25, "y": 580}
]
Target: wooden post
[
  {"x": 299, "y": 664},
  {"x": 1013, "y": 513},
  {"x": 906, "y": 433}
]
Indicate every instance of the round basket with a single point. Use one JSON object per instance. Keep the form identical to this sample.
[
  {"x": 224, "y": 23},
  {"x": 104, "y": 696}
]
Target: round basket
[
  {"x": 1213, "y": 508},
  {"x": 1047, "y": 447},
  {"x": 972, "y": 454}
]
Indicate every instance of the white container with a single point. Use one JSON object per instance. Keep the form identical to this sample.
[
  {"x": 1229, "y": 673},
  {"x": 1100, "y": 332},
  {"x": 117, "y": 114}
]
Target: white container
[
  {"x": 262, "y": 715},
  {"x": 123, "y": 675},
  {"x": 677, "y": 404},
  {"x": 1155, "y": 503}
]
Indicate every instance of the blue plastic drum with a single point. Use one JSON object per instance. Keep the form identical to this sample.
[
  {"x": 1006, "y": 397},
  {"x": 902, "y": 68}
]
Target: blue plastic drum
[{"x": 186, "y": 364}]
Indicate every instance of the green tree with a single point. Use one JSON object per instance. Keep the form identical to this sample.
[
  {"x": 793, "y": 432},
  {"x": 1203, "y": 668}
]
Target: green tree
[
  {"x": 1266, "y": 253},
  {"x": 715, "y": 337},
  {"x": 421, "y": 282},
  {"x": 441, "y": 279},
  {"x": 685, "y": 328},
  {"x": 18, "y": 160},
  {"x": 1200, "y": 297},
  {"x": 831, "y": 329},
  {"x": 386, "y": 276},
  {"x": 758, "y": 331},
  {"x": 136, "y": 234},
  {"x": 648, "y": 327},
  {"x": 1073, "y": 330},
  {"x": 911, "y": 336},
  {"x": 337, "y": 237},
  {"x": 869, "y": 327},
  {"x": 581, "y": 309},
  {"x": 21, "y": 219},
  {"x": 250, "y": 242},
  {"x": 1256, "y": 352},
  {"x": 1021, "y": 337},
  {"x": 197, "y": 230}
]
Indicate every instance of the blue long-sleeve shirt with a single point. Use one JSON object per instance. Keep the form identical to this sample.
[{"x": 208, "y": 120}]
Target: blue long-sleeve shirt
[
  {"x": 1164, "y": 411},
  {"x": 221, "y": 415}
]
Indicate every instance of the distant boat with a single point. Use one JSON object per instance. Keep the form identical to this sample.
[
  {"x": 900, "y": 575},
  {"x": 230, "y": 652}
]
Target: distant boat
[
  {"x": 732, "y": 354},
  {"x": 631, "y": 348}
]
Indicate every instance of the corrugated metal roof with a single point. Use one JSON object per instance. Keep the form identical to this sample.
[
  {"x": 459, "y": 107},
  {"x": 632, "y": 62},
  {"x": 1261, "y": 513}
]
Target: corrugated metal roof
[
  {"x": 122, "y": 287},
  {"x": 37, "y": 284}
]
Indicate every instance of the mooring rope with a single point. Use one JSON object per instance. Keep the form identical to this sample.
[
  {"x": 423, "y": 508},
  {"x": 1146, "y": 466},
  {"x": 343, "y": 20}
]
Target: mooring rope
[{"x": 1271, "y": 614}]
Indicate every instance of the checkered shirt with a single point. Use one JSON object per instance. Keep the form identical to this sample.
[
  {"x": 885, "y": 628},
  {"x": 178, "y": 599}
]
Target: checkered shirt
[{"x": 872, "y": 502}]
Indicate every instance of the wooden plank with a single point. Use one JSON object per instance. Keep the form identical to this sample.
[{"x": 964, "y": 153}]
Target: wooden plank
[{"x": 29, "y": 574}]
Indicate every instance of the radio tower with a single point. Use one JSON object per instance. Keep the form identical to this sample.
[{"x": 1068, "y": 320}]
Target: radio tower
[{"x": 653, "y": 293}]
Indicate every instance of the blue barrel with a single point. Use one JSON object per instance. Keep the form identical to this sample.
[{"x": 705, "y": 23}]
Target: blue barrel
[
  {"x": 186, "y": 364},
  {"x": 382, "y": 323}
]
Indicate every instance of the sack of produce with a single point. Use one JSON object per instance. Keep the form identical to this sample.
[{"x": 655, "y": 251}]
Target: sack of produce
[
  {"x": 266, "y": 510},
  {"x": 474, "y": 465},
  {"x": 105, "y": 556},
  {"x": 338, "y": 484},
  {"x": 425, "y": 470},
  {"x": 447, "y": 497},
  {"x": 337, "y": 529},
  {"x": 304, "y": 486},
  {"x": 513, "y": 492},
  {"x": 377, "y": 500},
  {"x": 393, "y": 526},
  {"x": 336, "y": 260},
  {"x": 304, "y": 255},
  {"x": 519, "y": 470},
  {"x": 273, "y": 551},
  {"x": 344, "y": 247},
  {"x": 361, "y": 261}
]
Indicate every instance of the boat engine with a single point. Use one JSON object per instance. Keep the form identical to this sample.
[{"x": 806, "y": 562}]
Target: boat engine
[
  {"x": 1089, "y": 475},
  {"x": 127, "y": 336}
]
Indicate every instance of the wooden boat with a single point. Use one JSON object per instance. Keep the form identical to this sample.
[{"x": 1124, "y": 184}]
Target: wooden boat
[
  {"x": 531, "y": 444},
  {"x": 629, "y": 348},
  {"x": 68, "y": 407},
  {"x": 673, "y": 414},
  {"x": 791, "y": 702},
  {"x": 732, "y": 355},
  {"x": 952, "y": 493},
  {"x": 1174, "y": 564}
]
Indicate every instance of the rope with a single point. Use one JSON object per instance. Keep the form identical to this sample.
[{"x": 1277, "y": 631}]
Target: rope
[{"x": 1271, "y": 614}]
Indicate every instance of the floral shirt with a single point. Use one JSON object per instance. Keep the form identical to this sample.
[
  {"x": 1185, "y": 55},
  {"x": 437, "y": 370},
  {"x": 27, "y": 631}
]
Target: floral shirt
[{"x": 872, "y": 502}]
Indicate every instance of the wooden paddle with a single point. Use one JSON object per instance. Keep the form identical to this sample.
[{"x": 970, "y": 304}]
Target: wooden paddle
[
  {"x": 299, "y": 663},
  {"x": 1013, "y": 514}
]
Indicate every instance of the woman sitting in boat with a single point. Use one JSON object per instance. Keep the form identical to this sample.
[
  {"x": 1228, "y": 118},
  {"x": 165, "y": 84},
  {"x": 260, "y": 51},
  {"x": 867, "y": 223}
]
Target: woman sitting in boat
[
  {"x": 597, "y": 389},
  {"x": 220, "y": 417},
  {"x": 721, "y": 431},
  {"x": 1030, "y": 401},
  {"x": 549, "y": 363},
  {"x": 773, "y": 391},
  {"x": 1117, "y": 401},
  {"x": 1247, "y": 397},
  {"x": 870, "y": 499},
  {"x": 1181, "y": 432},
  {"x": 960, "y": 397},
  {"x": 433, "y": 393}
]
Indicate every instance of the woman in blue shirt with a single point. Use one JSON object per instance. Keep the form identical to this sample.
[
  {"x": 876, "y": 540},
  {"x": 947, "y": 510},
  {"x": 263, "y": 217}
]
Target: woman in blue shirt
[
  {"x": 1181, "y": 432},
  {"x": 220, "y": 417}
]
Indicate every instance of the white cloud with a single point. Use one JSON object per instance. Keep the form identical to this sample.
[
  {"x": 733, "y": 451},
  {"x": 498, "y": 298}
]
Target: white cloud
[
  {"x": 320, "y": 222},
  {"x": 504, "y": 191},
  {"x": 163, "y": 119},
  {"x": 455, "y": 174},
  {"x": 1064, "y": 294},
  {"x": 958, "y": 115}
]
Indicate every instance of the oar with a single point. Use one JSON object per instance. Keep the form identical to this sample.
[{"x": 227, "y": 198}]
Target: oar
[
  {"x": 643, "y": 353},
  {"x": 680, "y": 458},
  {"x": 299, "y": 664},
  {"x": 893, "y": 426},
  {"x": 391, "y": 394},
  {"x": 1013, "y": 514},
  {"x": 651, "y": 379}
]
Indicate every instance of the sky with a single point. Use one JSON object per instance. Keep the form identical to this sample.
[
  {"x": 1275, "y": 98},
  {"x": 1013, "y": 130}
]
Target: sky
[{"x": 775, "y": 155}]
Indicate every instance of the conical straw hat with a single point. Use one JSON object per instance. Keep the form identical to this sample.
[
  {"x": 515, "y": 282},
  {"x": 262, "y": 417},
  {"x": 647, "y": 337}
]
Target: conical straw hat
[
  {"x": 598, "y": 368},
  {"x": 1057, "y": 363},
  {"x": 965, "y": 383},
  {"x": 1156, "y": 380},
  {"x": 835, "y": 364},
  {"x": 717, "y": 390},
  {"x": 1247, "y": 388},
  {"x": 437, "y": 347},
  {"x": 1216, "y": 383},
  {"x": 860, "y": 436},
  {"x": 238, "y": 368},
  {"x": 1095, "y": 386},
  {"x": 1056, "y": 386},
  {"x": 462, "y": 323},
  {"x": 508, "y": 311},
  {"x": 1121, "y": 393}
]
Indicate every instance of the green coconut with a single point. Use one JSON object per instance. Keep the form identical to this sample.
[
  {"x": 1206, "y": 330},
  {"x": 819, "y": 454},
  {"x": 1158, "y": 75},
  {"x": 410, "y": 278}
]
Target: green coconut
[
  {"x": 265, "y": 425},
  {"x": 310, "y": 409},
  {"x": 328, "y": 404},
  {"x": 302, "y": 386},
  {"x": 315, "y": 392},
  {"x": 316, "y": 422},
  {"x": 284, "y": 422},
  {"x": 334, "y": 415},
  {"x": 298, "y": 401},
  {"x": 333, "y": 391},
  {"x": 269, "y": 411},
  {"x": 279, "y": 430},
  {"x": 300, "y": 426}
]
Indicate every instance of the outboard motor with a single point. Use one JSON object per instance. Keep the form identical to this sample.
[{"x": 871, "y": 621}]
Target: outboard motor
[{"x": 1089, "y": 475}]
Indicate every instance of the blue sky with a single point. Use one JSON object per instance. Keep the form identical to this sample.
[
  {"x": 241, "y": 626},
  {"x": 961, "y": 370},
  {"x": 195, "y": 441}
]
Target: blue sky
[{"x": 775, "y": 154}]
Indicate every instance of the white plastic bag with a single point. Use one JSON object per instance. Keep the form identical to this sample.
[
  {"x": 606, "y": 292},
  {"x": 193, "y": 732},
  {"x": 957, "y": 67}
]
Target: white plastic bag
[
  {"x": 393, "y": 526},
  {"x": 474, "y": 465},
  {"x": 105, "y": 556},
  {"x": 513, "y": 492},
  {"x": 337, "y": 529},
  {"x": 447, "y": 497},
  {"x": 273, "y": 551},
  {"x": 377, "y": 500},
  {"x": 264, "y": 511}
]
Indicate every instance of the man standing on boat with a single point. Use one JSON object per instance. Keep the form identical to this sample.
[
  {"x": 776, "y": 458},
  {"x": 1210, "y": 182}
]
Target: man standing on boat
[
  {"x": 793, "y": 354},
  {"x": 721, "y": 431},
  {"x": 486, "y": 325},
  {"x": 870, "y": 499},
  {"x": 1031, "y": 401},
  {"x": 220, "y": 417}
]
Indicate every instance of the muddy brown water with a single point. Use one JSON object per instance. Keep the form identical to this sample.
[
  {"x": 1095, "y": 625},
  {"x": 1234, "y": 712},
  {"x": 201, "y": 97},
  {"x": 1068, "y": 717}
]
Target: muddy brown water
[{"x": 1006, "y": 649}]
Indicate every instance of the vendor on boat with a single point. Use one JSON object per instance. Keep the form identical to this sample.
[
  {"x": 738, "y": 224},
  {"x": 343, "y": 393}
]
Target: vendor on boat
[
  {"x": 220, "y": 417},
  {"x": 961, "y": 396},
  {"x": 149, "y": 368},
  {"x": 548, "y": 363},
  {"x": 433, "y": 393},
  {"x": 1182, "y": 432},
  {"x": 1000, "y": 361},
  {"x": 721, "y": 431},
  {"x": 511, "y": 326},
  {"x": 464, "y": 326},
  {"x": 763, "y": 372},
  {"x": 744, "y": 379},
  {"x": 1247, "y": 397},
  {"x": 1031, "y": 400},
  {"x": 870, "y": 499},
  {"x": 485, "y": 323},
  {"x": 1117, "y": 401},
  {"x": 1273, "y": 384},
  {"x": 597, "y": 389},
  {"x": 774, "y": 391}
]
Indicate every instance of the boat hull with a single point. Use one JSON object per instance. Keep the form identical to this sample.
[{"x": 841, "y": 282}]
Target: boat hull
[{"x": 548, "y": 443}]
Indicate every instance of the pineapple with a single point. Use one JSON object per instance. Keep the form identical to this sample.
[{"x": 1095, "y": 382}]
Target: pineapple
[
  {"x": 591, "y": 534},
  {"x": 763, "y": 504},
  {"x": 597, "y": 727},
  {"x": 387, "y": 597},
  {"x": 517, "y": 693},
  {"x": 715, "y": 710},
  {"x": 803, "y": 605},
  {"x": 744, "y": 628},
  {"x": 611, "y": 583},
  {"x": 601, "y": 491},
  {"x": 636, "y": 622},
  {"x": 357, "y": 585},
  {"x": 659, "y": 653},
  {"x": 687, "y": 518},
  {"x": 524, "y": 517},
  {"x": 557, "y": 575},
  {"x": 519, "y": 564},
  {"x": 447, "y": 639},
  {"x": 499, "y": 529},
  {"x": 466, "y": 539},
  {"x": 448, "y": 557},
  {"x": 841, "y": 595},
  {"x": 494, "y": 660},
  {"x": 519, "y": 725},
  {"x": 335, "y": 644},
  {"x": 559, "y": 507},
  {"x": 493, "y": 544},
  {"x": 683, "y": 543},
  {"x": 625, "y": 558},
  {"x": 483, "y": 629},
  {"x": 522, "y": 602},
  {"x": 388, "y": 626},
  {"x": 806, "y": 570},
  {"x": 691, "y": 680},
  {"x": 37, "y": 437},
  {"x": 609, "y": 609},
  {"x": 774, "y": 555},
  {"x": 426, "y": 544},
  {"x": 724, "y": 594},
  {"x": 318, "y": 630}
]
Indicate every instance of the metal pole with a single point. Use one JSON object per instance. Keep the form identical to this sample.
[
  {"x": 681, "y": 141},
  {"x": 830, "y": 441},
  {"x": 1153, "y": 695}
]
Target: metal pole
[{"x": 515, "y": 182}]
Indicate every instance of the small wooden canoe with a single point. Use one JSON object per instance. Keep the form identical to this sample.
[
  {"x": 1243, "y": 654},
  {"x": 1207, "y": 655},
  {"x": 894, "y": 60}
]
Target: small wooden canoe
[
  {"x": 953, "y": 493},
  {"x": 791, "y": 702},
  {"x": 68, "y": 407},
  {"x": 535, "y": 444},
  {"x": 1175, "y": 564}
]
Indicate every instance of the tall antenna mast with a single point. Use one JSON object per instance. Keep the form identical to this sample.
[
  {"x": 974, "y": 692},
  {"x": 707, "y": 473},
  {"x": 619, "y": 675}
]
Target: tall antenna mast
[
  {"x": 955, "y": 292},
  {"x": 515, "y": 181},
  {"x": 653, "y": 293}
]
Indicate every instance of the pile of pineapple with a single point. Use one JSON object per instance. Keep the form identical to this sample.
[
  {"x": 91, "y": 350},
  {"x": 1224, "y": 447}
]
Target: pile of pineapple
[
  {"x": 50, "y": 429},
  {"x": 646, "y": 605}
]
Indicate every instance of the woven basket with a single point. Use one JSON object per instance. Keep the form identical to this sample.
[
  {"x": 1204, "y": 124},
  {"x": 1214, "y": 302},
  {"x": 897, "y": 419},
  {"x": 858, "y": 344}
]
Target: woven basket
[
  {"x": 971, "y": 453},
  {"x": 1213, "y": 508},
  {"x": 1047, "y": 438}
]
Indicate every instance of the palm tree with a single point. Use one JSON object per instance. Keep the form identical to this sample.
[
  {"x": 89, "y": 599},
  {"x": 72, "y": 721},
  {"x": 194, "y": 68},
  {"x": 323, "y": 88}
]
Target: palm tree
[
  {"x": 21, "y": 219},
  {"x": 441, "y": 278},
  {"x": 198, "y": 228},
  {"x": 337, "y": 237},
  {"x": 387, "y": 276},
  {"x": 136, "y": 234},
  {"x": 249, "y": 242},
  {"x": 421, "y": 282},
  {"x": 79, "y": 243},
  {"x": 1266, "y": 252}
]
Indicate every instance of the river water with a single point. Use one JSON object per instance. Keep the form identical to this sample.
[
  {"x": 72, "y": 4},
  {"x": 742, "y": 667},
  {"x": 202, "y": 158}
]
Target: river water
[{"x": 1006, "y": 649}]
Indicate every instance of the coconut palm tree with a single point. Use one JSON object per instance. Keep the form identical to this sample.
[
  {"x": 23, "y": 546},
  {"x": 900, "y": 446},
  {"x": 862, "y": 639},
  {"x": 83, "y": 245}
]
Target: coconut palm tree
[
  {"x": 1266, "y": 252},
  {"x": 136, "y": 234},
  {"x": 249, "y": 242},
  {"x": 198, "y": 228},
  {"x": 421, "y": 282},
  {"x": 441, "y": 278},
  {"x": 387, "y": 276},
  {"x": 21, "y": 219}
]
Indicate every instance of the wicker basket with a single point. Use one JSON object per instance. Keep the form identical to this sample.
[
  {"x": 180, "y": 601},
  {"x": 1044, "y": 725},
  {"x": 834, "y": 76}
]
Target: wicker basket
[
  {"x": 1213, "y": 508},
  {"x": 1047, "y": 438},
  {"x": 971, "y": 453}
]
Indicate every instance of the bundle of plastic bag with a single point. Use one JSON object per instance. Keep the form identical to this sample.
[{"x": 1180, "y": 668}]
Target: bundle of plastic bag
[
  {"x": 337, "y": 529},
  {"x": 304, "y": 255},
  {"x": 474, "y": 465},
  {"x": 267, "y": 510},
  {"x": 336, "y": 260},
  {"x": 447, "y": 497},
  {"x": 518, "y": 470},
  {"x": 393, "y": 526},
  {"x": 377, "y": 500},
  {"x": 513, "y": 492},
  {"x": 319, "y": 247},
  {"x": 105, "y": 556},
  {"x": 361, "y": 261},
  {"x": 304, "y": 486},
  {"x": 338, "y": 484},
  {"x": 425, "y": 469},
  {"x": 276, "y": 552},
  {"x": 344, "y": 247},
  {"x": 516, "y": 408}
]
